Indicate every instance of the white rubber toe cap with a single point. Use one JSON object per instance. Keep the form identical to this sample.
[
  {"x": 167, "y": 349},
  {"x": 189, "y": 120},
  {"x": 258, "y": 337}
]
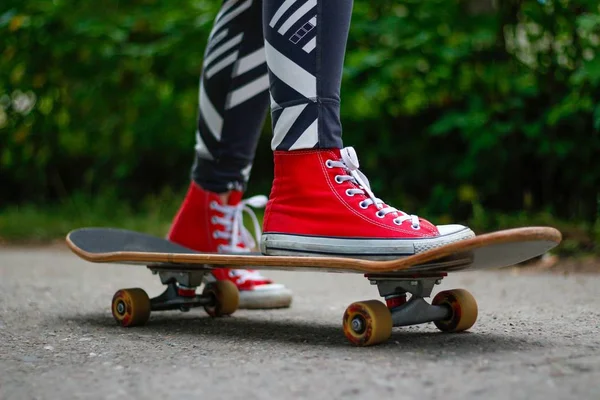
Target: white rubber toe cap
[{"x": 454, "y": 228}]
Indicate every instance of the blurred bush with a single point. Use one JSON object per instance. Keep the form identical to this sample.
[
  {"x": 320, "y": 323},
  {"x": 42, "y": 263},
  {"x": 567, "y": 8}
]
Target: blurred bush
[{"x": 454, "y": 106}]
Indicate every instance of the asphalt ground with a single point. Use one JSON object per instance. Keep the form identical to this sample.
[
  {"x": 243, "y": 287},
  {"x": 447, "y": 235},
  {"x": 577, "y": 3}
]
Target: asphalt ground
[{"x": 537, "y": 337}]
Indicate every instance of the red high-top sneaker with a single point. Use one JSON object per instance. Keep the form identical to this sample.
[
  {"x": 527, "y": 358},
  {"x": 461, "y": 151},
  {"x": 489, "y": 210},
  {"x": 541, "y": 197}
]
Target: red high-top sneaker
[
  {"x": 204, "y": 223},
  {"x": 321, "y": 204}
]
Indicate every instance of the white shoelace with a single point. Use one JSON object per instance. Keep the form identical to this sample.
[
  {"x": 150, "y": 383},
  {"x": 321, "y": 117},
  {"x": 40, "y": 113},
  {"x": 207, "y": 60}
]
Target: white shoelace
[
  {"x": 244, "y": 275},
  {"x": 233, "y": 221},
  {"x": 350, "y": 164}
]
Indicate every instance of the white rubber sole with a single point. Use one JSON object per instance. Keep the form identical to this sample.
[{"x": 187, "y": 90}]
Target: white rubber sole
[
  {"x": 266, "y": 297},
  {"x": 272, "y": 295},
  {"x": 276, "y": 244}
]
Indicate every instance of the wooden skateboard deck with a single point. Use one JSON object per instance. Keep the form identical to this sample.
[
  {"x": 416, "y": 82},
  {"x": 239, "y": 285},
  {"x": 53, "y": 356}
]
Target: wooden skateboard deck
[{"x": 491, "y": 250}]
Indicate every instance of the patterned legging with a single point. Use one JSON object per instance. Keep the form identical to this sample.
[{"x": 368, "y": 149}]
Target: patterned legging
[{"x": 286, "y": 53}]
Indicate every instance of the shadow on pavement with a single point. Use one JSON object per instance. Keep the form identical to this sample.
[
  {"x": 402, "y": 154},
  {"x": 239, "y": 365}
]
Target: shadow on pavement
[{"x": 282, "y": 331}]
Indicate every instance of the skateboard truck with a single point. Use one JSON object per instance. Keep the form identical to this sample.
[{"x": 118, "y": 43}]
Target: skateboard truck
[
  {"x": 132, "y": 307},
  {"x": 180, "y": 292},
  {"x": 416, "y": 310},
  {"x": 370, "y": 322}
]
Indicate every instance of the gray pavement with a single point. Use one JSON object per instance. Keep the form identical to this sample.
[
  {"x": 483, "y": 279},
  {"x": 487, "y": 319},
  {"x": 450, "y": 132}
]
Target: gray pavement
[{"x": 537, "y": 337}]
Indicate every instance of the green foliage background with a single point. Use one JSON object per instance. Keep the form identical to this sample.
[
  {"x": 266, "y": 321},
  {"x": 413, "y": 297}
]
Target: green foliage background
[{"x": 455, "y": 107}]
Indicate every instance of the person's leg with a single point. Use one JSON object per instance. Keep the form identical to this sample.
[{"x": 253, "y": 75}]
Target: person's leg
[
  {"x": 234, "y": 98},
  {"x": 320, "y": 202},
  {"x": 305, "y": 43},
  {"x": 233, "y": 102}
]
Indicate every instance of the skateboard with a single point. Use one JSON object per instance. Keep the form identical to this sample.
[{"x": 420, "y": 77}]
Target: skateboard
[{"x": 364, "y": 323}]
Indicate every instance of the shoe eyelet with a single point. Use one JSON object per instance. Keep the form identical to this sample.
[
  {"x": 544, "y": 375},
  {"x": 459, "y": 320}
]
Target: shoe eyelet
[
  {"x": 213, "y": 220},
  {"x": 363, "y": 205},
  {"x": 397, "y": 222},
  {"x": 348, "y": 193},
  {"x": 379, "y": 214},
  {"x": 213, "y": 205},
  {"x": 329, "y": 164},
  {"x": 416, "y": 228},
  {"x": 338, "y": 179}
]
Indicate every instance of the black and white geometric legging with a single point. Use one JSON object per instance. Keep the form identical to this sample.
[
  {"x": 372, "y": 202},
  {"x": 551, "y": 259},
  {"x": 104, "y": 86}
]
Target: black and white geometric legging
[{"x": 284, "y": 53}]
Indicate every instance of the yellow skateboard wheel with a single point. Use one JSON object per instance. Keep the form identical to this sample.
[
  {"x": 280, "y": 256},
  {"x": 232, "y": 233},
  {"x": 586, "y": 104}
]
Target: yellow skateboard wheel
[
  {"x": 131, "y": 307},
  {"x": 463, "y": 310},
  {"x": 226, "y": 298},
  {"x": 367, "y": 323}
]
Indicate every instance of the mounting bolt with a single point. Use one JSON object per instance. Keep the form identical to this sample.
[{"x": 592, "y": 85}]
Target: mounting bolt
[
  {"x": 358, "y": 325},
  {"x": 438, "y": 281}
]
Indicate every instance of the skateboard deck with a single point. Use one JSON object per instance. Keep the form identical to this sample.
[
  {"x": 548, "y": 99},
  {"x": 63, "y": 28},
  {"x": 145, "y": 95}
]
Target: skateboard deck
[
  {"x": 490, "y": 250},
  {"x": 364, "y": 323}
]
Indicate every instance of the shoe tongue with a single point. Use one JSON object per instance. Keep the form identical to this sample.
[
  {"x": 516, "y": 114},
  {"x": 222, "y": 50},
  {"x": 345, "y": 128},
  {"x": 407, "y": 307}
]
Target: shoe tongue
[{"x": 234, "y": 197}]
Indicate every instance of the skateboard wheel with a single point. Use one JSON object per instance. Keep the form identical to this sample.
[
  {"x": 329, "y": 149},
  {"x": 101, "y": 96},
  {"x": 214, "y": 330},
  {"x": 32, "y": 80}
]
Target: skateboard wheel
[
  {"x": 367, "y": 323},
  {"x": 226, "y": 298},
  {"x": 131, "y": 307},
  {"x": 463, "y": 310}
]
